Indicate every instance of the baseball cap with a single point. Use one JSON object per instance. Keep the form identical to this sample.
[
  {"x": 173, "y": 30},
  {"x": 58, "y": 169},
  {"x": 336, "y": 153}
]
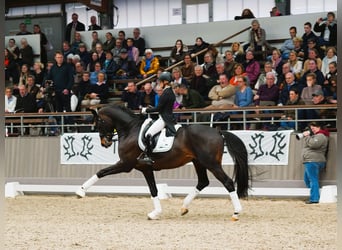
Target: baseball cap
[
  {"x": 318, "y": 92},
  {"x": 123, "y": 50}
]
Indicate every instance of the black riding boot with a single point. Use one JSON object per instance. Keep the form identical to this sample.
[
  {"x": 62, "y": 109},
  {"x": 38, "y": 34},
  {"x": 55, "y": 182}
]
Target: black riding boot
[{"x": 146, "y": 157}]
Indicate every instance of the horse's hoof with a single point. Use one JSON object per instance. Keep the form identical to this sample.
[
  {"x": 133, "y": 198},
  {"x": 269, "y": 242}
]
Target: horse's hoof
[
  {"x": 80, "y": 193},
  {"x": 235, "y": 217},
  {"x": 154, "y": 215},
  {"x": 184, "y": 211}
]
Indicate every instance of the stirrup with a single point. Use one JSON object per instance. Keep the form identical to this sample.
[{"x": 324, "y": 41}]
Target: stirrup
[{"x": 144, "y": 159}]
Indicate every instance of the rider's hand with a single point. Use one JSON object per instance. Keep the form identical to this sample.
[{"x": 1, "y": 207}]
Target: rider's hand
[{"x": 143, "y": 110}]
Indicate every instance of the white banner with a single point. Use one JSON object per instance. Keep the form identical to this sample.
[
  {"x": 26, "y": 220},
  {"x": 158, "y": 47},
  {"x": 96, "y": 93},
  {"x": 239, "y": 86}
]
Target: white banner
[{"x": 263, "y": 147}]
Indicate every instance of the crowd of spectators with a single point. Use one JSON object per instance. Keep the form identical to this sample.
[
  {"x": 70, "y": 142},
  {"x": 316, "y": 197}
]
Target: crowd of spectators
[{"x": 303, "y": 68}]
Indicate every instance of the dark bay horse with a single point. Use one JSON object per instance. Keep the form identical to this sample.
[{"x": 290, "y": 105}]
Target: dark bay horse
[{"x": 199, "y": 144}]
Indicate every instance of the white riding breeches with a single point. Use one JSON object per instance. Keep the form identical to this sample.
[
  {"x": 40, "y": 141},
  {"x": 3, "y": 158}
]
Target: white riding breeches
[{"x": 156, "y": 127}]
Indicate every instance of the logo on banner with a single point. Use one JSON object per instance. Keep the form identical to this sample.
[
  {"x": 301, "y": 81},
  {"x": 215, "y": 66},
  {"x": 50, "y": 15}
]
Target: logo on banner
[{"x": 86, "y": 148}]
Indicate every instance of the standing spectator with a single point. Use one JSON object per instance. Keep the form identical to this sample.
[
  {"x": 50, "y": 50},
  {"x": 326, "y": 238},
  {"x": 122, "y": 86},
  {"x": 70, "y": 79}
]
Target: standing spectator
[
  {"x": 314, "y": 158},
  {"x": 199, "y": 83},
  {"x": 132, "y": 97},
  {"x": 311, "y": 87},
  {"x": 252, "y": 68},
  {"x": 61, "y": 74},
  {"x": 188, "y": 68},
  {"x": 275, "y": 12},
  {"x": 308, "y": 34},
  {"x": 199, "y": 46},
  {"x": 139, "y": 42},
  {"x": 126, "y": 68},
  {"x": 149, "y": 64},
  {"x": 72, "y": 27},
  {"x": 328, "y": 30},
  {"x": 331, "y": 56},
  {"x": 23, "y": 30},
  {"x": 93, "y": 25},
  {"x": 288, "y": 44},
  {"x": 109, "y": 44},
  {"x": 246, "y": 14},
  {"x": 122, "y": 37},
  {"x": 26, "y": 53},
  {"x": 10, "y": 100},
  {"x": 43, "y": 43},
  {"x": 133, "y": 52},
  {"x": 148, "y": 96},
  {"x": 257, "y": 39},
  {"x": 13, "y": 48},
  {"x": 178, "y": 51}
]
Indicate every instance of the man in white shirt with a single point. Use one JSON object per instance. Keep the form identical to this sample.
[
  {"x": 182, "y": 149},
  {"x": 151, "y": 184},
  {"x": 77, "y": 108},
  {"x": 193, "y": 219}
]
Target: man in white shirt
[{"x": 10, "y": 100}]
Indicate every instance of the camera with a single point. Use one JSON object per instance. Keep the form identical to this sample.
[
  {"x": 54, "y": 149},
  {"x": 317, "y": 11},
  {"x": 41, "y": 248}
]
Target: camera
[
  {"x": 301, "y": 135},
  {"x": 49, "y": 89}
]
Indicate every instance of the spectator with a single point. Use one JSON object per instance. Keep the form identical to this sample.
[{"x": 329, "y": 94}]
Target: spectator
[
  {"x": 98, "y": 93},
  {"x": 312, "y": 55},
  {"x": 76, "y": 43},
  {"x": 209, "y": 69},
  {"x": 200, "y": 45},
  {"x": 31, "y": 86},
  {"x": 10, "y": 100},
  {"x": 95, "y": 40},
  {"x": 229, "y": 62},
  {"x": 313, "y": 68},
  {"x": 246, "y": 14},
  {"x": 93, "y": 25},
  {"x": 132, "y": 97},
  {"x": 220, "y": 70},
  {"x": 267, "y": 94},
  {"x": 199, "y": 83},
  {"x": 24, "y": 73},
  {"x": 288, "y": 44},
  {"x": 188, "y": 68},
  {"x": 314, "y": 158},
  {"x": 298, "y": 47},
  {"x": 13, "y": 48},
  {"x": 72, "y": 27},
  {"x": 222, "y": 95},
  {"x": 290, "y": 84},
  {"x": 84, "y": 85},
  {"x": 191, "y": 98},
  {"x": 331, "y": 56},
  {"x": 25, "y": 102},
  {"x": 23, "y": 30},
  {"x": 93, "y": 60},
  {"x": 296, "y": 66},
  {"x": 139, "y": 42},
  {"x": 84, "y": 55},
  {"x": 78, "y": 72},
  {"x": 177, "y": 76},
  {"x": 133, "y": 52},
  {"x": 61, "y": 74},
  {"x": 66, "y": 50},
  {"x": 149, "y": 64},
  {"x": 287, "y": 119},
  {"x": 238, "y": 70},
  {"x": 331, "y": 90},
  {"x": 276, "y": 60},
  {"x": 117, "y": 49},
  {"x": 281, "y": 83},
  {"x": 311, "y": 87},
  {"x": 38, "y": 73},
  {"x": 94, "y": 74},
  {"x": 244, "y": 94},
  {"x": 109, "y": 67},
  {"x": 328, "y": 30},
  {"x": 109, "y": 44},
  {"x": 43, "y": 43},
  {"x": 148, "y": 96},
  {"x": 100, "y": 52},
  {"x": 238, "y": 53},
  {"x": 262, "y": 77},
  {"x": 308, "y": 34},
  {"x": 11, "y": 68},
  {"x": 126, "y": 68},
  {"x": 312, "y": 44},
  {"x": 122, "y": 37},
  {"x": 252, "y": 68},
  {"x": 26, "y": 53},
  {"x": 328, "y": 84},
  {"x": 178, "y": 51},
  {"x": 275, "y": 12},
  {"x": 257, "y": 39}
]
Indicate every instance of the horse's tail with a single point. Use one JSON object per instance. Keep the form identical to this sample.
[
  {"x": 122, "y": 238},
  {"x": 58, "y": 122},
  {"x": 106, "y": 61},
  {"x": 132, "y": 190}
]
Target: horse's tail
[{"x": 238, "y": 152}]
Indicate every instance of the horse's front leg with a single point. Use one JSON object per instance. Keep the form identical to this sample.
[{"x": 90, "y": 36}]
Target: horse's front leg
[
  {"x": 149, "y": 176},
  {"x": 118, "y": 167}
]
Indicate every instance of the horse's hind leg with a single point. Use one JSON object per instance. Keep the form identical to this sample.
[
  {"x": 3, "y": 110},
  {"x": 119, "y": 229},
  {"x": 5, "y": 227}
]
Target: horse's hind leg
[
  {"x": 203, "y": 182},
  {"x": 228, "y": 183}
]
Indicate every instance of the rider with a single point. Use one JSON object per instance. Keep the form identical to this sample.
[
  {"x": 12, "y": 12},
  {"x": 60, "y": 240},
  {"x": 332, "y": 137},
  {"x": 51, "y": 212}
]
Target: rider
[{"x": 166, "y": 118}]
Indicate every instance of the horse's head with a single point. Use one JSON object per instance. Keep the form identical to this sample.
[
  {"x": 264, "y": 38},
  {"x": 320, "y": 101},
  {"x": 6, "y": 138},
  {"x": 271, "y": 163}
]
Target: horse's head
[{"x": 105, "y": 127}]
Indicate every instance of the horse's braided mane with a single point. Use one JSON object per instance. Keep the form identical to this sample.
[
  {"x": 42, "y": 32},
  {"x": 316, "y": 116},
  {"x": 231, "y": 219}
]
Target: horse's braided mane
[{"x": 137, "y": 118}]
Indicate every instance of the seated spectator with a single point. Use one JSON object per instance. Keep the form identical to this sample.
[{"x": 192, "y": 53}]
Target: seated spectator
[
  {"x": 78, "y": 73},
  {"x": 257, "y": 39},
  {"x": 275, "y": 12},
  {"x": 332, "y": 75},
  {"x": 312, "y": 44},
  {"x": 312, "y": 54},
  {"x": 31, "y": 86},
  {"x": 296, "y": 66},
  {"x": 262, "y": 77},
  {"x": 133, "y": 52},
  {"x": 11, "y": 68},
  {"x": 311, "y": 87},
  {"x": 331, "y": 90},
  {"x": 109, "y": 66},
  {"x": 122, "y": 37},
  {"x": 76, "y": 43},
  {"x": 308, "y": 35},
  {"x": 288, "y": 44},
  {"x": 24, "y": 73},
  {"x": 139, "y": 42},
  {"x": 94, "y": 74},
  {"x": 238, "y": 70},
  {"x": 290, "y": 83},
  {"x": 313, "y": 68},
  {"x": 281, "y": 83},
  {"x": 188, "y": 68},
  {"x": 191, "y": 98},
  {"x": 331, "y": 56},
  {"x": 244, "y": 94},
  {"x": 220, "y": 70},
  {"x": 66, "y": 49},
  {"x": 25, "y": 53},
  {"x": 178, "y": 51},
  {"x": 229, "y": 62},
  {"x": 95, "y": 40},
  {"x": 93, "y": 60},
  {"x": 148, "y": 95},
  {"x": 13, "y": 49},
  {"x": 116, "y": 50},
  {"x": 298, "y": 48},
  {"x": 98, "y": 93},
  {"x": 209, "y": 69},
  {"x": 83, "y": 87},
  {"x": 287, "y": 119},
  {"x": 177, "y": 76},
  {"x": 199, "y": 83},
  {"x": 38, "y": 73},
  {"x": 198, "y": 46},
  {"x": 238, "y": 53},
  {"x": 328, "y": 30},
  {"x": 109, "y": 44},
  {"x": 159, "y": 92},
  {"x": 252, "y": 68},
  {"x": 149, "y": 64},
  {"x": 222, "y": 95},
  {"x": 84, "y": 55},
  {"x": 179, "y": 98},
  {"x": 10, "y": 100},
  {"x": 100, "y": 52},
  {"x": 127, "y": 68},
  {"x": 267, "y": 94},
  {"x": 132, "y": 97},
  {"x": 25, "y": 101},
  {"x": 277, "y": 61},
  {"x": 246, "y": 14}
]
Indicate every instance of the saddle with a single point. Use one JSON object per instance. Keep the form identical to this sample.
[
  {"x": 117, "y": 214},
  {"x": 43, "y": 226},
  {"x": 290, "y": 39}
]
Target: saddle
[{"x": 162, "y": 141}]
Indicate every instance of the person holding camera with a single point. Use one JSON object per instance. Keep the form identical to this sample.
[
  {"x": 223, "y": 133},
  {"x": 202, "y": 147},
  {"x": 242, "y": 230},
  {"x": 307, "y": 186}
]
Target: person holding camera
[{"x": 314, "y": 157}]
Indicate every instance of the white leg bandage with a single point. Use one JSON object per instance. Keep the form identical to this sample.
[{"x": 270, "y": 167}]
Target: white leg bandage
[
  {"x": 189, "y": 198},
  {"x": 154, "y": 215},
  {"x": 90, "y": 182},
  {"x": 236, "y": 202}
]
